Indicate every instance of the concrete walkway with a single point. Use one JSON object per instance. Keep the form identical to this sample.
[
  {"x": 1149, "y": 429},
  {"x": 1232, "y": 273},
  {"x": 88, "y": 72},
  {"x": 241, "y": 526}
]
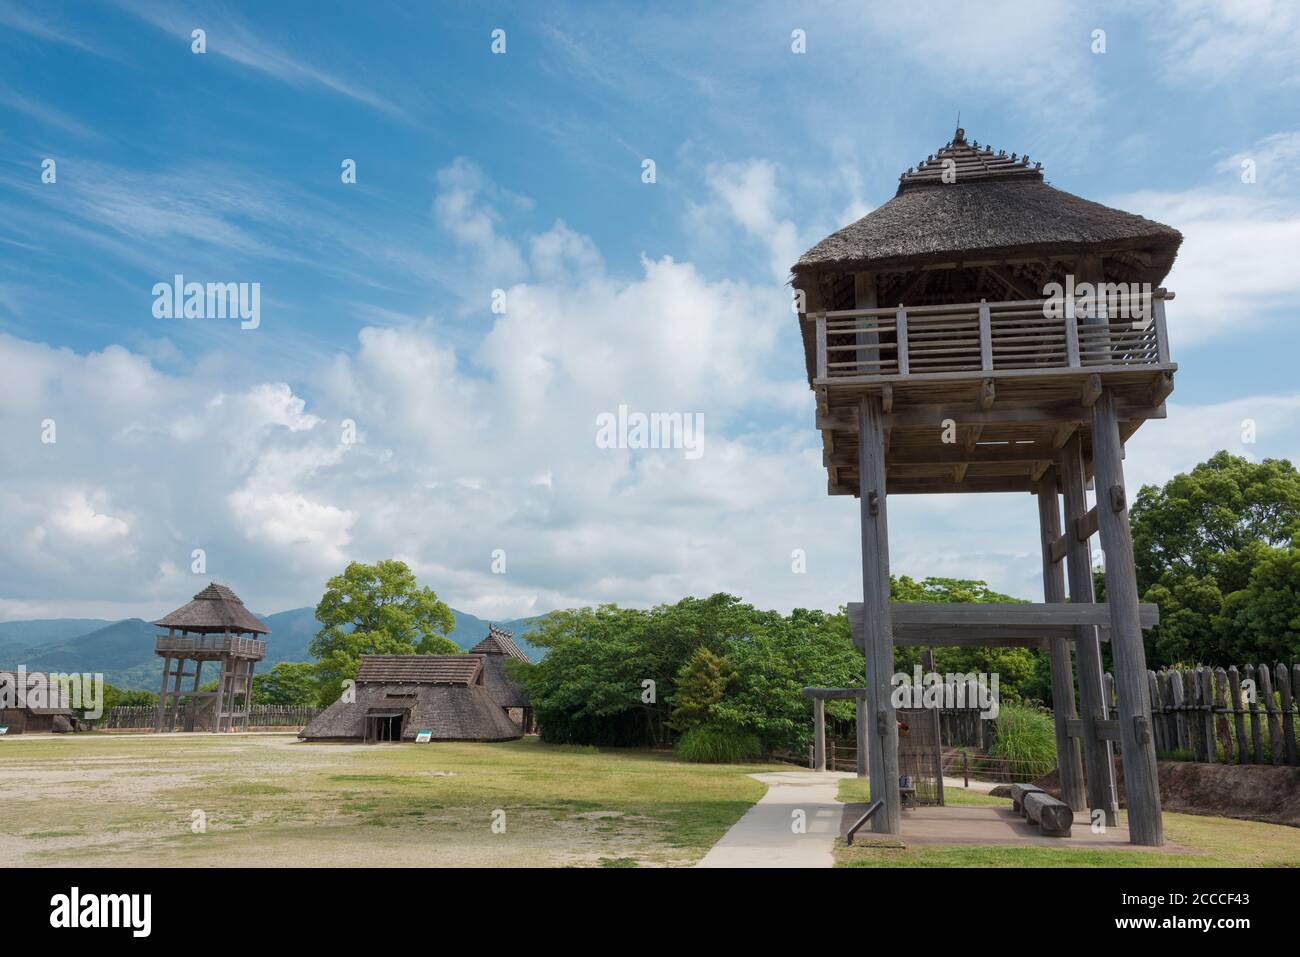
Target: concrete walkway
[{"x": 765, "y": 836}]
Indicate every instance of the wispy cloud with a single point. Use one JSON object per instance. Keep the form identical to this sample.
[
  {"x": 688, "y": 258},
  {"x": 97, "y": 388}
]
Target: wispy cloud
[
  {"x": 45, "y": 113},
  {"x": 229, "y": 38},
  {"x": 26, "y": 22}
]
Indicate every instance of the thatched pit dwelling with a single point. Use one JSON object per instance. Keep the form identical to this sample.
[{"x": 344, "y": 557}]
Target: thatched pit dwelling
[
  {"x": 399, "y": 696},
  {"x": 44, "y": 703},
  {"x": 498, "y": 648}
]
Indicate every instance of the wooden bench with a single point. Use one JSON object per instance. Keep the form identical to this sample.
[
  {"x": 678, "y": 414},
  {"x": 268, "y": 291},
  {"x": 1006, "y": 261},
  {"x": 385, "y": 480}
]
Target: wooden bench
[
  {"x": 1018, "y": 792},
  {"x": 1054, "y": 818}
]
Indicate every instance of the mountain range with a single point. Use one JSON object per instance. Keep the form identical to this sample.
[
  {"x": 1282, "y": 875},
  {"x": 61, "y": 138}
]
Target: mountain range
[{"x": 123, "y": 650}]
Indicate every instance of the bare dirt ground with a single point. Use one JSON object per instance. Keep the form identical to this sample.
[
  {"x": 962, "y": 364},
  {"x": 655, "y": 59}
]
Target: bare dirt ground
[{"x": 269, "y": 800}]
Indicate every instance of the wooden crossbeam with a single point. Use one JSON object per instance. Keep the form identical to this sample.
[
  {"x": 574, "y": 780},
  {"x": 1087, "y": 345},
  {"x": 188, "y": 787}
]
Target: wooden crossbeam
[
  {"x": 846, "y": 419},
  {"x": 1084, "y": 528},
  {"x": 1012, "y": 613}
]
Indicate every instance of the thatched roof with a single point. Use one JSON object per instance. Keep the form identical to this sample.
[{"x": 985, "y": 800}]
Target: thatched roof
[
  {"x": 442, "y": 694},
  {"x": 496, "y": 648},
  {"x": 997, "y": 207},
  {"x": 420, "y": 669},
  {"x": 499, "y": 642},
  {"x": 216, "y": 609}
]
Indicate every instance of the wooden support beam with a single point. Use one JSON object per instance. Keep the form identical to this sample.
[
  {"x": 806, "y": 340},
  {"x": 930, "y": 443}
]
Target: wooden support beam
[
  {"x": 933, "y": 416},
  {"x": 1141, "y": 785},
  {"x": 986, "y": 337},
  {"x": 1063, "y": 433},
  {"x": 819, "y": 734},
  {"x": 887, "y": 398},
  {"x": 877, "y": 633},
  {"x": 1068, "y": 758},
  {"x": 1098, "y": 755},
  {"x": 1015, "y": 287},
  {"x": 1091, "y": 391},
  {"x": 1013, "y": 614},
  {"x": 1085, "y": 526},
  {"x": 862, "y": 724},
  {"x": 1163, "y": 388}
]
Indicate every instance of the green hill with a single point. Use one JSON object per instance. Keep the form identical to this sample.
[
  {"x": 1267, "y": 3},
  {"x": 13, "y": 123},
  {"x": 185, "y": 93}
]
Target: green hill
[{"x": 123, "y": 650}]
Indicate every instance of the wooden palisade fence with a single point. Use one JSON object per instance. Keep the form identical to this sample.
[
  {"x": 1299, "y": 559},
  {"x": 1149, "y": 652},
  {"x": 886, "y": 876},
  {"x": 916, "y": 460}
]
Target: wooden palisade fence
[
  {"x": 144, "y": 717},
  {"x": 1210, "y": 715}
]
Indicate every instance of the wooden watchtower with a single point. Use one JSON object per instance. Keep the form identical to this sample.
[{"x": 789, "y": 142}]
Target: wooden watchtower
[
  {"x": 985, "y": 332},
  {"x": 215, "y": 626}
]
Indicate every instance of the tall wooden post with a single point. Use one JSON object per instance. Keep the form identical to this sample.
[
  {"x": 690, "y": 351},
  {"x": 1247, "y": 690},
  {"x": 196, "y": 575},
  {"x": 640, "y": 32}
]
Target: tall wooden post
[
  {"x": 1098, "y": 753},
  {"x": 877, "y": 630},
  {"x": 162, "y": 693},
  {"x": 1141, "y": 785},
  {"x": 862, "y": 722},
  {"x": 1067, "y": 750},
  {"x": 819, "y": 734}
]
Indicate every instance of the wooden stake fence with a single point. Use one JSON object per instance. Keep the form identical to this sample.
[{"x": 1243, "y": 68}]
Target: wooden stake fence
[{"x": 1204, "y": 712}]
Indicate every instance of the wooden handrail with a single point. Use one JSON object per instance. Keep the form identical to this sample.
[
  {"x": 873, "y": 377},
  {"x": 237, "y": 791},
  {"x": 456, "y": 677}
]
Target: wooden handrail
[{"x": 875, "y": 806}]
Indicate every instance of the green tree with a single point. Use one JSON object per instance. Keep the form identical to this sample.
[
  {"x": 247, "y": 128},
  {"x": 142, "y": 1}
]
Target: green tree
[
  {"x": 702, "y": 683},
  {"x": 774, "y": 661},
  {"x": 1261, "y": 622},
  {"x": 376, "y": 609},
  {"x": 1199, "y": 541},
  {"x": 288, "y": 683},
  {"x": 1213, "y": 519}
]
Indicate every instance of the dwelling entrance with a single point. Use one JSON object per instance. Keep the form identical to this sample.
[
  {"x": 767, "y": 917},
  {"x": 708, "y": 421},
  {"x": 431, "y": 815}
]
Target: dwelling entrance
[{"x": 382, "y": 726}]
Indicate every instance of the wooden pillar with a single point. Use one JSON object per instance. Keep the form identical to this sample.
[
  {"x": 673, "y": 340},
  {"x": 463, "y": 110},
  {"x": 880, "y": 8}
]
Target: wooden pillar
[
  {"x": 877, "y": 631},
  {"x": 1067, "y": 749},
  {"x": 1141, "y": 786},
  {"x": 927, "y": 662},
  {"x": 819, "y": 734},
  {"x": 1098, "y": 754},
  {"x": 863, "y": 720},
  {"x": 172, "y": 713},
  {"x": 162, "y": 695},
  {"x": 250, "y": 666}
]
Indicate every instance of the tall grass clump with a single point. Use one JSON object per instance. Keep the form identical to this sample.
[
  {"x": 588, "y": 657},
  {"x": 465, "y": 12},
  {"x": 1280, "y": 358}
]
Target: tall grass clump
[
  {"x": 1025, "y": 740},
  {"x": 714, "y": 745}
]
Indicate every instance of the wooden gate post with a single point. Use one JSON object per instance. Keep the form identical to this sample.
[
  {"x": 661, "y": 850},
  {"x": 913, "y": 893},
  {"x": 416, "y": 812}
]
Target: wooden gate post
[
  {"x": 862, "y": 721},
  {"x": 819, "y": 734},
  {"x": 1098, "y": 754},
  {"x": 1067, "y": 750},
  {"x": 877, "y": 630},
  {"x": 1141, "y": 785}
]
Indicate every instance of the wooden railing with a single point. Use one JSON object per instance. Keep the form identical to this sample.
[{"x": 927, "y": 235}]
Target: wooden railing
[
  {"x": 211, "y": 644},
  {"x": 990, "y": 337}
]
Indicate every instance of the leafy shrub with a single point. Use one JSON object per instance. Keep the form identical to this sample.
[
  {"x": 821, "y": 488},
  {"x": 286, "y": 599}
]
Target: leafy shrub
[
  {"x": 714, "y": 745},
  {"x": 1025, "y": 740}
]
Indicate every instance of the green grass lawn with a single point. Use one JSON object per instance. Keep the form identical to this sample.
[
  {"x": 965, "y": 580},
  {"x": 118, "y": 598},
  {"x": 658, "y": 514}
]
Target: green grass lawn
[
  {"x": 90, "y": 800},
  {"x": 1211, "y": 842}
]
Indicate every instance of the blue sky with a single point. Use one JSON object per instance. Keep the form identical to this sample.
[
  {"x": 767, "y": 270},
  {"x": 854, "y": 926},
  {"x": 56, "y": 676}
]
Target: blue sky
[{"x": 522, "y": 172}]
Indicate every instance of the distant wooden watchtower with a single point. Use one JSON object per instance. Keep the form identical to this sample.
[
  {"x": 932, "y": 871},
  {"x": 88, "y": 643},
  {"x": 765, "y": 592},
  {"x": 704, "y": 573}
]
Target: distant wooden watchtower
[
  {"x": 215, "y": 626},
  {"x": 985, "y": 332}
]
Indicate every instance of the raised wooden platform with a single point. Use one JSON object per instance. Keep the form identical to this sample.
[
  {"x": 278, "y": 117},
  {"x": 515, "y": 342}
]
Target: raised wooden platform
[{"x": 981, "y": 397}]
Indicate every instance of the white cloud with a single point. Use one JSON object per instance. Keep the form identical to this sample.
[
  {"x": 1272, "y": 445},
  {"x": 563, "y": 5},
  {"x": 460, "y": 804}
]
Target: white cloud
[{"x": 1217, "y": 41}]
